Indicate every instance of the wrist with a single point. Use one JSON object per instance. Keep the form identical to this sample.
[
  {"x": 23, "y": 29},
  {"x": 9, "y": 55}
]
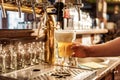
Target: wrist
[{"x": 89, "y": 51}]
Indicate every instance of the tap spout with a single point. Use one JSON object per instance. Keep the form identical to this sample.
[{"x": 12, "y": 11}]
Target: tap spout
[
  {"x": 78, "y": 3},
  {"x": 3, "y": 9},
  {"x": 33, "y": 8},
  {"x": 18, "y": 2}
]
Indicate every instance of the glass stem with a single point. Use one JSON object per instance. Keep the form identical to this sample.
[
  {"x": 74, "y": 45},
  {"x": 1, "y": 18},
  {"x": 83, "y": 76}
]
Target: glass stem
[
  {"x": 23, "y": 61},
  {"x": 35, "y": 57},
  {"x": 15, "y": 61},
  {"x": 31, "y": 61},
  {"x": 4, "y": 65},
  {"x": 11, "y": 64}
]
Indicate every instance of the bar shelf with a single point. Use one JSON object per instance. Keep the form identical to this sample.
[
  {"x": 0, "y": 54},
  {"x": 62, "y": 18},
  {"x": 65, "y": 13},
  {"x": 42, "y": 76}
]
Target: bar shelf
[{"x": 20, "y": 34}]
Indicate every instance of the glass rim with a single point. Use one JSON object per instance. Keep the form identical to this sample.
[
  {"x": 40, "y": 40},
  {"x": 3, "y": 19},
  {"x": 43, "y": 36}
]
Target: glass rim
[{"x": 65, "y": 31}]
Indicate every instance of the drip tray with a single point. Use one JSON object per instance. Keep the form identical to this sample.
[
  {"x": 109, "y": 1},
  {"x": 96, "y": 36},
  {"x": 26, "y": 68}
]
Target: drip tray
[
  {"x": 65, "y": 74},
  {"x": 40, "y": 72}
]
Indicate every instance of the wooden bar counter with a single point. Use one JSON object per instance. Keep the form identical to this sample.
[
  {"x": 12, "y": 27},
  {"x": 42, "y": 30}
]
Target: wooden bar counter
[
  {"x": 43, "y": 70},
  {"x": 35, "y": 72},
  {"x": 109, "y": 73}
]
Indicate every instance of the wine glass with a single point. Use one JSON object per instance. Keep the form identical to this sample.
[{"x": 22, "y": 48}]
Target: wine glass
[
  {"x": 3, "y": 56},
  {"x": 64, "y": 39},
  {"x": 22, "y": 53},
  {"x": 34, "y": 48},
  {"x": 38, "y": 52},
  {"x": 30, "y": 51},
  {"x": 26, "y": 54},
  {"x": 13, "y": 56},
  {"x": 41, "y": 48}
]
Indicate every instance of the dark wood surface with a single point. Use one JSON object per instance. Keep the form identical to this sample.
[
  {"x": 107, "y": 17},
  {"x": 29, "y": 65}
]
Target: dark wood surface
[{"x": 20, "y": 34}]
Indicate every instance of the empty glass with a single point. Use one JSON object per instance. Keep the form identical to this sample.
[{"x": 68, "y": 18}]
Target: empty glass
[
  {"x": 13, "y": 56},
  {"x": 34, "y": 52},
  {"x": 3, "y": 58},
  {"x": 22, "y": 54}
]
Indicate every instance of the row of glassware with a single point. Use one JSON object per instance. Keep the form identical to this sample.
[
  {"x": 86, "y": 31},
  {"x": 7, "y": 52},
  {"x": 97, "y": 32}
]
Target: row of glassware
[{"x": 20, "y": 55}]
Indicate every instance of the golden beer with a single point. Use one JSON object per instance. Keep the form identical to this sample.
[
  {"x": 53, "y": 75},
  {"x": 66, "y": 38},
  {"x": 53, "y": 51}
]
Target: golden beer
[
  {"x": 64, "y": 40},
  {"x": 64, "y": 49}
]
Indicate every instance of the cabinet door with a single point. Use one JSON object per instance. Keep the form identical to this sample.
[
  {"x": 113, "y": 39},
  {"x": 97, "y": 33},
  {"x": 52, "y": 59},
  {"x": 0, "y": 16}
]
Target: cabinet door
[
  {"x": 117, "y": 73},
  {"x": 109, "y": 76}
]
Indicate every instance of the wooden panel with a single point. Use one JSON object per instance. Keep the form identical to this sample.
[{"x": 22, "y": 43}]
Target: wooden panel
[
  {"x": 14, "y": 33},
  {"x": 109, "y": 77},
  {"x": 21, "y": 34},
  {"x": 117, "y": 73}
]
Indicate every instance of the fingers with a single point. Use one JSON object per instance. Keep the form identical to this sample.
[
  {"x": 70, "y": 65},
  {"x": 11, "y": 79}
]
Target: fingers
[
  {"x": 76, "y": 46},
  {"x": 80, "y": 55},
  {"x": 78, "y": 49}
]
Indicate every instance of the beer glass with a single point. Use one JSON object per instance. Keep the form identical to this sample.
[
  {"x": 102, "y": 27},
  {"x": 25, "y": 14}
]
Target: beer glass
[{"x": 64, "y": 39}]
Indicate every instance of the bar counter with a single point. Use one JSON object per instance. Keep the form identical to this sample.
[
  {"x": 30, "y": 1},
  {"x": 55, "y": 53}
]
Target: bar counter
[
  {"x": 44, "y": 70},
  {"x": 113, "y": 63}
]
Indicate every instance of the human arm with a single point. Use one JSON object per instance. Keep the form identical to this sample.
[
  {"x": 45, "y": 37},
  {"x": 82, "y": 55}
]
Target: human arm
[{"x": 110, "y": 48}]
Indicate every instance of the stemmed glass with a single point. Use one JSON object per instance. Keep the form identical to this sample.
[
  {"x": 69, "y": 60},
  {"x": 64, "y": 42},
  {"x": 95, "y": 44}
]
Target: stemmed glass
[
  {"x": 64, "y": 39},
  {"x": 13, "y": 56},
  {"x": 38, "y": 52},
  {"x": 3, "y": 56},
  {"x": 26, "y": 54},
  {"x": 30, "y": 51},
  {"x": 22, "y": 53},
  {"x": 35, "y": 52},
  {"x": 42, "y": 49}
]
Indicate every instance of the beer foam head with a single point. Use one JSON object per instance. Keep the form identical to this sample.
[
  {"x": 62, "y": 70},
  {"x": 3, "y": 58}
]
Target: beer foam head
[{"x": 64, "y": 36}]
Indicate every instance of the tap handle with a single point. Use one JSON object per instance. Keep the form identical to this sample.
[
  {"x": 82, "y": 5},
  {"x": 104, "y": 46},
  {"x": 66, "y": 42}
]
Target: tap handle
[
  {"x": 3, "y": 10},
  {"x": 78, "y": 2},
  {"x": 33, "y": 8},
  {"x": 18, "y": 2}
]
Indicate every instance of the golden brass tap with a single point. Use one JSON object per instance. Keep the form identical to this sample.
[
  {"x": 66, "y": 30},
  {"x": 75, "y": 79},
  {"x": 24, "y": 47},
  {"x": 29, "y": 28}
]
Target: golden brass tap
[
  {"x": 49, "y": 44},
  {"x": 3, "y": 9}
]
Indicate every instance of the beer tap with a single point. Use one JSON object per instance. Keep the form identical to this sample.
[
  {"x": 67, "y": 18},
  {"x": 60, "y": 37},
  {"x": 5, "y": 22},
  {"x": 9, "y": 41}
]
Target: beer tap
[
  {"x": 78, "y": 3},
  {"x": 3, "y": 9},
  {"x": 23, "y": 2},
  {"x": 12, "y": 1},
  {"x": 29, "y": 3},
  {"x": 18, "y": 2},
  {"x": 47, "y": 24},
  {"x": 5, "y": 1},
  {"x": 33, "y": 8}
]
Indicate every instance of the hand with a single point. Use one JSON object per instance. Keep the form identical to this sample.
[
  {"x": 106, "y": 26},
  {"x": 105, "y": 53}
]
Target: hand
[{"x": 79, "y": 50}]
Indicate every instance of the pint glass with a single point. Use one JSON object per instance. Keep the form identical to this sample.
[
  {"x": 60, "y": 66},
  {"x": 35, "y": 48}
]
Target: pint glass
[{"x": 64, "y": 39}]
